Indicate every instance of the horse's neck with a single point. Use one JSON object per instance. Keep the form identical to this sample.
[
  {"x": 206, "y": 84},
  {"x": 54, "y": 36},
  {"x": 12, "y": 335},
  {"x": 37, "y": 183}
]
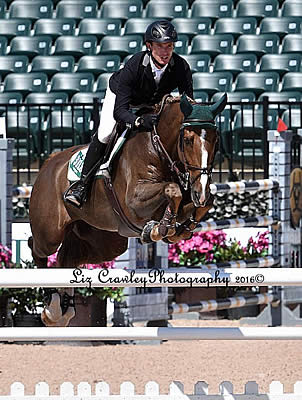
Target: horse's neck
[{"x": 169, "y": 129}]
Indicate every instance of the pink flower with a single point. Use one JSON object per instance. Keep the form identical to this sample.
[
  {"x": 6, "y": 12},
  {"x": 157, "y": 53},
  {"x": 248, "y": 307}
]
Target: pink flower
[{"x": 52, "y": 262}]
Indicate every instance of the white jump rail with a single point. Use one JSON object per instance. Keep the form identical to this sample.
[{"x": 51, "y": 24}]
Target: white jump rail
[
  {"x": 147, "y": 333},
  {"x": 177, "y": 277},
  {"x": 236, "y": 223},
  {"x": 244, "y": 186}
]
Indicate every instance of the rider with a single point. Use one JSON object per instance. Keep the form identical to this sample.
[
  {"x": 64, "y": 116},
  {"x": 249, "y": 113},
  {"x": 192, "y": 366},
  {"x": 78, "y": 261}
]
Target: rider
[{"x": 145, "y": 79}]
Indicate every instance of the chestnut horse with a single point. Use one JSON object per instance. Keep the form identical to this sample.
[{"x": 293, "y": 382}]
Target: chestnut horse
[{"x": 161, "y": 179}]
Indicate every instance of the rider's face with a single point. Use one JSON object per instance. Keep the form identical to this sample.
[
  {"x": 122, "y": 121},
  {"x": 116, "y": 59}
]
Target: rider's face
[{"x": 162, "y": 52}]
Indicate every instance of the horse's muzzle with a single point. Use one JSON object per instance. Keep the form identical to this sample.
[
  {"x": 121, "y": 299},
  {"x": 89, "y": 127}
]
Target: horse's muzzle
[{"x": 200, "y": 200}]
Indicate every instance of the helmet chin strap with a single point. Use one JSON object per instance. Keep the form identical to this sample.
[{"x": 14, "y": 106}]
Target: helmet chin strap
[{"x": 158, "y": 64}]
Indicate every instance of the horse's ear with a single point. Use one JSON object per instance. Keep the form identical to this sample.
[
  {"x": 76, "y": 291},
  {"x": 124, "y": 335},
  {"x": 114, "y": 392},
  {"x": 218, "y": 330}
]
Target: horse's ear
[
  {"x": 185, "y": 106},
  {"x": 219, "y": 105}
]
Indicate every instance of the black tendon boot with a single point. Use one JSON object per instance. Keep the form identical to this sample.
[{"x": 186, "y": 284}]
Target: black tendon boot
[{"x": 77, "y": 193}]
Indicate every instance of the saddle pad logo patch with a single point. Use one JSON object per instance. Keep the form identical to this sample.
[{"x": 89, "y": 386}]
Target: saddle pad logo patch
[
  {"x": 76, "y": 164},
  {"x": 296, "y": 196}
]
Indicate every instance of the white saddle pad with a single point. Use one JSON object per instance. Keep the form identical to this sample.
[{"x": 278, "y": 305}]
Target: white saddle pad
[{"x": 77, "y": 161}]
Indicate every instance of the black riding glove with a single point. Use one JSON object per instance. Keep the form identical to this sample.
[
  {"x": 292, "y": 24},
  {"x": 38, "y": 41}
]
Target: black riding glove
[{"x": 146, "y": 121}]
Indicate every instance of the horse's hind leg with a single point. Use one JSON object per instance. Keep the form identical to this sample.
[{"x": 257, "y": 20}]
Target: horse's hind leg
[
  {"x": 52, "y": 311},
  {"x": 41, "y": 262},
  {"x": 60, "y": 308}
]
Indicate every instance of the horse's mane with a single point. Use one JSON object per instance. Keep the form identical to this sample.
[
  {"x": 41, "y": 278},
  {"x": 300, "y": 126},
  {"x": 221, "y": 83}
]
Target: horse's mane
[{"x": 171, "y": 100}]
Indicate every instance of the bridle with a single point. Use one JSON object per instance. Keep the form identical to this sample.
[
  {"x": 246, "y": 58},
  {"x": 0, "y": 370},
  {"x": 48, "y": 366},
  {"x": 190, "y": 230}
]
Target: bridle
[
  {"x": 189, "y": 167},
  {"x": 184, "y": 177}
]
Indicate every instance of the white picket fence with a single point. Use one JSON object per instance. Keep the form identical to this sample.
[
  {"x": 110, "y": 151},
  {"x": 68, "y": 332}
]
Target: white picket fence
[{"x": 84, "y": 391}]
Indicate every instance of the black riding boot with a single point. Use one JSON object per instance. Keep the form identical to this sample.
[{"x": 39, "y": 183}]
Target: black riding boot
[{"x": 77, "y": 194}]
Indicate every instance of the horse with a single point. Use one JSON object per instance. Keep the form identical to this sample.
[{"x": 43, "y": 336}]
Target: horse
[{"x": 161, "y": 185}]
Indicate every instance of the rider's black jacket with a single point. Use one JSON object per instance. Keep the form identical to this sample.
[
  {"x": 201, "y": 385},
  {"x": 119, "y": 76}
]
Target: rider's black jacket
[{"x": 134, "y": 84}]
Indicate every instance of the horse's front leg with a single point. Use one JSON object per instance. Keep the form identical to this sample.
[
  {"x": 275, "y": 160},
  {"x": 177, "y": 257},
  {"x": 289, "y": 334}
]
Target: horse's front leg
[
  {"x": 154, "y": 231},
  {"x": 185, "y": 230}
]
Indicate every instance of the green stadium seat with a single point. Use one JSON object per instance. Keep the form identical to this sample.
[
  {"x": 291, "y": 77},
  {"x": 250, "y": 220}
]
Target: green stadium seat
[
  {"x": 200, "y": 96},
  {"x": 24, "y": 126},
  {"x": 198, "y": 62},
  {"x": 192, "y": 26},
  {"x": 292, "y": 81},
  {"x": 10, "y": 64},
  {"x": 31, "y": 9},
  {"x": 281, "y": 97},
  {"x": 87, "y": 98},
  {"x": 281, "y": 63},
  {"x": 137, "y": 26},
  {"x": 235, "y": 63},
  {"x": 258, "y": 44},
  {"x": 72, "y": 83},
  {"x": 257, "y": 8},
  {"x": 167, "y": 9},
  {"x": 40, "y": 99},
  {"x": 55, "y": 27},
  {"x": 257, "y": 82},
  {"x": 281, "y": 26},
  {"x": 77, "y": 9},
  {"x": 50, "y": 65},
  {"x": 2, "y": 9},
  {"x": 249, "y": 135},
  {"x": 182, "y": 44},
  {"x": 99, "y": 64},
  {"x": 25, "y": 83},
  {"x": 7, "y": 100},
  {"x": 224, "y": 122},
  {"x": 236, "y": 97},
  {"x": 100, "y": 27},
  {"x": 10, "y": 98},
  {"x": 291, "y": 9},
  {"x": 212, "y": 82},
  {"x": 212, "y": 9},
  {"x": 212, "y": 44},
  {"x": 30, "y": 46},
  {"x": 292, "y": 118},
  {"x": 45, "y": 103},
  {"x": 122, "y": 9},
  {"x": 15, "y": 27},
  {"x": 121, "y": 45},
  {"x": 292, "y": 44},
  {"x": 76, "y": 128},
  {"x": 236, "y": 26},
  {"x": 76, "y": 46},
  {"x": 3, "y": 45},
  {"x": 102, "y": 82}
]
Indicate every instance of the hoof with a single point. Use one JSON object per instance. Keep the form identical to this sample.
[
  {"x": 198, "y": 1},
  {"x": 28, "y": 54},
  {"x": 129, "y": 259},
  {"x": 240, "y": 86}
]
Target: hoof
[
  {"x": 63, "y": 321},
  {"x": 145, "y": 235},
  {"x": 53, "y": 311}
]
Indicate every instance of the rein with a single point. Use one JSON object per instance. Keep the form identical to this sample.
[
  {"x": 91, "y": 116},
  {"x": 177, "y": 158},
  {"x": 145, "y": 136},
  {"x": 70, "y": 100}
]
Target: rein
[{"x": 184, "y": 178}]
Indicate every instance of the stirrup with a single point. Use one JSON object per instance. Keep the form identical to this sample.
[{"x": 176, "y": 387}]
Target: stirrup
[{"x": 71, "y": 199}]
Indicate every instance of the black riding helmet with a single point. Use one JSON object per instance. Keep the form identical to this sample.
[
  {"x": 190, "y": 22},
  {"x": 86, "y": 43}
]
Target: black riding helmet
[{"x": 161, "y": 32}]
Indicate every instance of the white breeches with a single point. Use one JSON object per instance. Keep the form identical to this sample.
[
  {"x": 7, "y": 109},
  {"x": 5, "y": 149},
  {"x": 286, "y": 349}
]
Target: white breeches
[{"x": 107, "y": 121}]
